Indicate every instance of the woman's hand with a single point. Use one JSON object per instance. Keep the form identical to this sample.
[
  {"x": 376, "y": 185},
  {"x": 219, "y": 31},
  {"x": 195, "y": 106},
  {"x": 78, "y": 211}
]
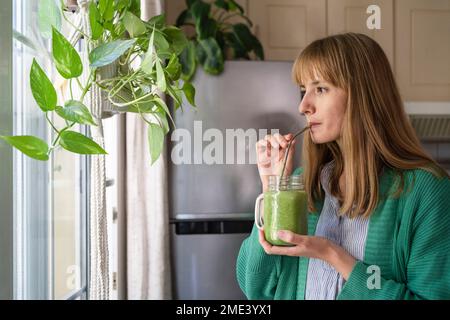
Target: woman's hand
[
  {"x": 311, "y": 247},
  {"x": 270, "y": 153}
]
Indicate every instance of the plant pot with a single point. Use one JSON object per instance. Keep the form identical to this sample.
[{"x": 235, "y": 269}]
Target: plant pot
[{"x": 107, "y": 72}]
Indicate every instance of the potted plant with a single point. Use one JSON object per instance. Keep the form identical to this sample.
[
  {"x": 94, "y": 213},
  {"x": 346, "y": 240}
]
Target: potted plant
[
  {"x": 144, "y": 56},
  {"x": 215, "y": 38}
]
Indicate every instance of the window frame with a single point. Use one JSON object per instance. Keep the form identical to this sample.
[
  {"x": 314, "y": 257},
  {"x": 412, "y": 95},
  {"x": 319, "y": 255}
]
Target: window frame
[
  {"x": 6, "y": 155},
  {"x": 32, "y": 237}
]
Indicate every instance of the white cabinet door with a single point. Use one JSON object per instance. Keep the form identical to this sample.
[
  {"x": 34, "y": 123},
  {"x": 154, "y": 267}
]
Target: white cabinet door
[
  {"x": 285, "y": 27},
  {"x": 422, "y": 49},
  {"x": 351, "y": 16}
]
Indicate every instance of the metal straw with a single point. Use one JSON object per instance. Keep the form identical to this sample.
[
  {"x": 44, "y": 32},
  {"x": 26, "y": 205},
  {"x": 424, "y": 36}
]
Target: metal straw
[{"x": 289, "y": 147}]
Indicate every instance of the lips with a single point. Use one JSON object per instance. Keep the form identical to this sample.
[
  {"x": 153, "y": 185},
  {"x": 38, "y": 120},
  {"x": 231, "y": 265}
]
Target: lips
[{"x": 314, "y": 124}]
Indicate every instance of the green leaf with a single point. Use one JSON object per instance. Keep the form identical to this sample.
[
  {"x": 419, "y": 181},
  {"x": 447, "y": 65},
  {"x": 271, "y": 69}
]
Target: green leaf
[
  {"x": 163, "y": 106},
  {"x": 67, "y": 61},
  {"x": 106, "y": 8},
  {"x": 124, "y": 95},
  {"x": 143, "y": 106},
  {"x": 233, "y": 6},
  {"x": 189, "y": 3},
  {"x": 155, "y": 141},
  {"x": 49, "y": 16},
  {"x": 205, "y": 28},
  {"x": 42, "y": 89},
  {"x": 139, "y": 108},
  {"x": 239, "y": 49},
  {"x": 176, "y": 96},
  {"x": 134, "y": 7},
  {"x": 147, "y": 63},
  {"x": 109, "y": 52},
  {"x": 249, "y": 22},
  {"x": 108, "y": 25},
  {"x": 200, "y": 10},
  {"x": 160, "y": 78},
  {"x": 221, "y": 4},
  {"x": 158, "y": 21},
  {"x": 210, "y": 56},
  {"x": 161, "y": 117},
  {"x": 119, "y": 30},
  {"x": 75, "y": 111},
  {"x": 121, "y": 4},
  {"x": 177, "y": 39},
  {"x": 189, "y": 92},
  {"x": 164, "y": 54},
  {"x": 94, "y": 20},
  {"x": 220, "y": 38},
  {"x": 25, "y": 40},
  {"x": 174, "y": 67},
  {"x": 134, "y": 25},
  {"x": 160, "y": 41},
  {"x": 188, "y": 62},
  {"x": 244, "y": 40},
  {"x": 184, "y": 17},
  {"x": 147, "y": 105},
  {"x": 243, "y": 33},
  {"x": 258, "y": 49},
  {"x": 29, "y": 145},
  {"x": 78, "y": 143}
]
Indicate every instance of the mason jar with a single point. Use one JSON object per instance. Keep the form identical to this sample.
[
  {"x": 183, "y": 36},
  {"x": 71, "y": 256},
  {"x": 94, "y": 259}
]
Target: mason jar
[{"x": 285, "y": 208}]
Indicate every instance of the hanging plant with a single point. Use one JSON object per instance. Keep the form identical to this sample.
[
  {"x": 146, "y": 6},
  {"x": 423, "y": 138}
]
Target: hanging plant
[
  {"x": 145, "y": 55},
  {"x": 216, "y": 38}
]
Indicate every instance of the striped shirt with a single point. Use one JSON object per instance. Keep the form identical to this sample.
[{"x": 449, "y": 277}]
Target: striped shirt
[{"x": 323, "y": 281}]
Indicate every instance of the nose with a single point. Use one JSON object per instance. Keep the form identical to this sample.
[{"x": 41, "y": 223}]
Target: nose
[{"x": 306, "y": 106}]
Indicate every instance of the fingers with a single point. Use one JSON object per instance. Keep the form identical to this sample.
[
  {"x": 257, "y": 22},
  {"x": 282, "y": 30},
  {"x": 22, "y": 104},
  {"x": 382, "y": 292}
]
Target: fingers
[
  {"x": 263, "y": 153},
  {"x": 272, "y": 148},
  {"x": 283, "y": 251},
  {"x": 275, "y": 141},
  {"x": 281, "y": 140},
  {"x": 262, "y": 240},
  {"x": 286, "y": 236},
  {"x": 290, "y": 237}
]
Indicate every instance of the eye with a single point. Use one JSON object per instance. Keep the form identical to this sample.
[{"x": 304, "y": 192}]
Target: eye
[
  {"x": 320, "y": 90},
  {"x": 302, "y": 93}
]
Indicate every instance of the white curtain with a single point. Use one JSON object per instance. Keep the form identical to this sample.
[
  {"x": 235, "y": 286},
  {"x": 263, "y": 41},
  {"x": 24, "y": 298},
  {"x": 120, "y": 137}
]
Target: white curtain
[{"x": 145, "y": 201}]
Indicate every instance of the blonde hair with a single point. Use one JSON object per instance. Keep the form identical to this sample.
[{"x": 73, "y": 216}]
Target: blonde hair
[{"x": 376, "y": 130}]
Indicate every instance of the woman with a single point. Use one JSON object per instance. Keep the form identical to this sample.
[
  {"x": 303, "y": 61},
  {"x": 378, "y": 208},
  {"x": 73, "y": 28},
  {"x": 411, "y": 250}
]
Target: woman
[{"x": 379, "y": 214}]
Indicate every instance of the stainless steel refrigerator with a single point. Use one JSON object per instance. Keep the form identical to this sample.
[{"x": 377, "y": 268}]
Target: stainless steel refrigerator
[{"x": 212, "y": 204}]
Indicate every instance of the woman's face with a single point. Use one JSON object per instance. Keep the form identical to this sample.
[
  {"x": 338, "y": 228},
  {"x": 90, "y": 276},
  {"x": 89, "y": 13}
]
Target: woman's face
[{"x": 324, "y": 106}]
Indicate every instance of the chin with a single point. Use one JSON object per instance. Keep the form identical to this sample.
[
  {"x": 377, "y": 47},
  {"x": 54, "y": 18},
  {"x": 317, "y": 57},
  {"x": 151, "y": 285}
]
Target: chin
[{"x": 317, "y": 139}]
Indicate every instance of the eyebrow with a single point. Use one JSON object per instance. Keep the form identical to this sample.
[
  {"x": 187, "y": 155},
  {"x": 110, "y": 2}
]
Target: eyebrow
[{"x": 312, "y": 83}]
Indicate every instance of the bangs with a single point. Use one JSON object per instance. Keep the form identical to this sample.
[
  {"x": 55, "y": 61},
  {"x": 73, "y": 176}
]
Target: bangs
[{"x": 314, "y": 64}]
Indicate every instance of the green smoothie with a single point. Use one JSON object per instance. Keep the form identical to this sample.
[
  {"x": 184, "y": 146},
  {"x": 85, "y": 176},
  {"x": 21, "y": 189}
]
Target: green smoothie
[{"x": 284, "y": 210}]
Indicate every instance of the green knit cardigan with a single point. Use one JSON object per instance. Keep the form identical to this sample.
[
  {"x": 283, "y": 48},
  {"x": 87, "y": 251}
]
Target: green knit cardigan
[{"x": 408, "y": 242}]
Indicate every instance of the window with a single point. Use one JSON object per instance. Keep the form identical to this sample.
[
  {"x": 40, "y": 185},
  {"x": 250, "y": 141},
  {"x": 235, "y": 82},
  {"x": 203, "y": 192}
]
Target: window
[{"x": 50, "y": 198}]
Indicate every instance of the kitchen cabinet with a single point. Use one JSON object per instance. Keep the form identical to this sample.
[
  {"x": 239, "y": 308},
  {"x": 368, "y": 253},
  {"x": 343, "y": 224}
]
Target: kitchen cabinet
[
  {"x": 351, "y": 16},
  {"x": 422, "y": 49},
  {"x": 286, "y": 27}
]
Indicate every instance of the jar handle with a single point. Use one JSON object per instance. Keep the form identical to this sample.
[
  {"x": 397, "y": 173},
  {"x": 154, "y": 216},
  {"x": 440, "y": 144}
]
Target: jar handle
[{"x": 259, "y": 221}]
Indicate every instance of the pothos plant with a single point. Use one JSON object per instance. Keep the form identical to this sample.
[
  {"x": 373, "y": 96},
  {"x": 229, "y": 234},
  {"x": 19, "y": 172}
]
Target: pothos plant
[
  {"x": 216, "y": 36},
  {"x": 145, "y": 55}
]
